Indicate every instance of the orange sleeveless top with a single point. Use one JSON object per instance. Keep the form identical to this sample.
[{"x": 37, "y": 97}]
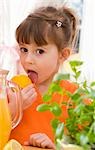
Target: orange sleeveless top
[{"x": 39, "y": 122}]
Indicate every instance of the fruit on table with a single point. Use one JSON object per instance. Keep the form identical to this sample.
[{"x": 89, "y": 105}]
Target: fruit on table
[
  {"x": 13, "y": 145},
  {"x": 22, "y": 80}
]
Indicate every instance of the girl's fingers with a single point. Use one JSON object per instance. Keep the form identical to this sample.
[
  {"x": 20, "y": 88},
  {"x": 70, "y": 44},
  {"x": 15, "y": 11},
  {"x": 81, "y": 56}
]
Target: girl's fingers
[
  {"x": 30, "y": 100},
  {"x": 26, "y": 89},
  {"x": 29, "y": 95},
  {"x": 36, "y": 139},
  {"x": 41, "y": 140},
  {"x": 47, "y": 144}
]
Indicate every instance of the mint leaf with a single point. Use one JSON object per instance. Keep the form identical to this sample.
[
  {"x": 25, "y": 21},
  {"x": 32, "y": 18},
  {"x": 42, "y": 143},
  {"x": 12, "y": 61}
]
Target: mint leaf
[{"x": 43, "y": 107}]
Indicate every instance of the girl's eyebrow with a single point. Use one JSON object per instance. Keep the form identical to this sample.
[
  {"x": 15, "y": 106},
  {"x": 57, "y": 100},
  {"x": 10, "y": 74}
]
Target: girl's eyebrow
[
  {"x": 41, "y": 47},
  {"x": 22, "y": 45}
]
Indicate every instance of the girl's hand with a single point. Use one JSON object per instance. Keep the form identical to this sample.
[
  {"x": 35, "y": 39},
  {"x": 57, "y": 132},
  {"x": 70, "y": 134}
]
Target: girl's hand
[
  {"x": 40, "y": 140},
  {"x": 29, "y": 95}
]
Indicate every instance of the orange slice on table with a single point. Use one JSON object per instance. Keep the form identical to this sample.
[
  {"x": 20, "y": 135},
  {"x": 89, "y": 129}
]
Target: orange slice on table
[
  {"x": 22, "y": 80},
  {"x": 13, "y": 145}
]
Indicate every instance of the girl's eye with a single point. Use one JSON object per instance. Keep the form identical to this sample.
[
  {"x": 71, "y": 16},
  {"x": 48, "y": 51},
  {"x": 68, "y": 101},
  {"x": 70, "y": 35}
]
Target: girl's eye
[
  {"x": 39, "y": 51},
  {"x": 22, "y": 49}
]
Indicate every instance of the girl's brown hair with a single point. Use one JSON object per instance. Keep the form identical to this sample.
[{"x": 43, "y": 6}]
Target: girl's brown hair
[{"x": 48, "y": 24}]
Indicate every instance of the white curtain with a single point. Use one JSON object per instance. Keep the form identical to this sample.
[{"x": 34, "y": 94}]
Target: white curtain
[
  {"x": 4, "y": 20},
  {"x": 87, "y": 43},
  {"x": 12, "y": 12}
]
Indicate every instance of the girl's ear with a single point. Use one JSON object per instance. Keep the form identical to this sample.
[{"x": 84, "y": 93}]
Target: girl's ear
[{"x": 65, "y": 53}]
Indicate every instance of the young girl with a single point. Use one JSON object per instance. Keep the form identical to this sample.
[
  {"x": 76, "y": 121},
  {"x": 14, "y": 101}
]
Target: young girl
[{"x": 44, "y": 38}]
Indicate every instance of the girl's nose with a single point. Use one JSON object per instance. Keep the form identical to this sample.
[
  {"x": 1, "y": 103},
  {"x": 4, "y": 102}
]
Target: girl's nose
[{"x": 30, "y": 58}]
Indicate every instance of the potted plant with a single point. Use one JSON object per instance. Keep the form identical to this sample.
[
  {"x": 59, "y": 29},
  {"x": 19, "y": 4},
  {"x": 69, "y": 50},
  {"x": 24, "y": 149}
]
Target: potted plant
[{"x": 78, "y": 131}]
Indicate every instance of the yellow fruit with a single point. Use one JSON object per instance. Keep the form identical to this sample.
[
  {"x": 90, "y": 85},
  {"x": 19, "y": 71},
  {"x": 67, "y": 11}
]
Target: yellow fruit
[
  {"x": 21, "y": 80},
  {"x": 13, "y": 145}
]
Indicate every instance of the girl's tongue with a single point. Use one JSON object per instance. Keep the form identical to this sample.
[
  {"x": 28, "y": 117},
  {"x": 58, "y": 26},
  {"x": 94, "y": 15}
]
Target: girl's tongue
[{"x": 33, "y": 76}]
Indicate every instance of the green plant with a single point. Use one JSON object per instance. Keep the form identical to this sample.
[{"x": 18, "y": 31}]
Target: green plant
[{"x": 80, "y": 123}]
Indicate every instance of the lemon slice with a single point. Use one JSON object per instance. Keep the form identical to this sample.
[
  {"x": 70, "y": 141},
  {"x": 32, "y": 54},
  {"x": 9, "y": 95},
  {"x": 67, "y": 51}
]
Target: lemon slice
[
  {"x": 22, "y": 80},
  {"x": 13, "y": 145}
]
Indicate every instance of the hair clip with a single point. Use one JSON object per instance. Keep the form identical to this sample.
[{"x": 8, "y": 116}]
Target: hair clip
[{"x": 58, "y": 23}]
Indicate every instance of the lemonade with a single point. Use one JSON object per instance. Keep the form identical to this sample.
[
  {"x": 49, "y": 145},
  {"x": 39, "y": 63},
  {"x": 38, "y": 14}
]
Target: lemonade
[{"x": 5, "y": 123}]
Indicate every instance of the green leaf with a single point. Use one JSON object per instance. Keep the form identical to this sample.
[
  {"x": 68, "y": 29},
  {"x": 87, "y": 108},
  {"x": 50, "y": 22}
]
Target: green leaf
[
  {"x": 79, "y": 108},
  {"x": 43, "y": 107},
  {"x": 78, "y": 74},
  {"x": 55, "y": 123},
  {"x": 70, "y": 112},
  {"x": 94, "y": 127},
  {"x": 75, "y": 63},
  {"x": 55, "y": 109},
  {"x": 92, "y": 94},
  {"x": 54, "y": 87},
  {"x": 59, "y": 131},
  {"x": 92, "y": 84},
  {"x": 62, "y": 77},
  {"x": 85, "y": 84},
  {"x": 84, "y": 139},
  {"x": 47, "y": 97},
  {"x": 74, "y": 69},
  {"x": 75, "y": 96}
]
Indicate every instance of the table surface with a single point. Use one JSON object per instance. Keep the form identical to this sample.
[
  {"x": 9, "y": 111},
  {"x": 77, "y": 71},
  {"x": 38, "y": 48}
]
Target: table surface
[{"x": 33, "y": 148}]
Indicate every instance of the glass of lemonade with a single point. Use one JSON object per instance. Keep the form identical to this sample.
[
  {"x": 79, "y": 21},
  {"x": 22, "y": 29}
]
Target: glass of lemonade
[{"x": 10, "y": 107}]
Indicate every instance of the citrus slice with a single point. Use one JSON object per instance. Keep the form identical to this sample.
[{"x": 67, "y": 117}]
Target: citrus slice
[
  {"x": 13, "y": 145},
  {"x": 21, "y": 80}
]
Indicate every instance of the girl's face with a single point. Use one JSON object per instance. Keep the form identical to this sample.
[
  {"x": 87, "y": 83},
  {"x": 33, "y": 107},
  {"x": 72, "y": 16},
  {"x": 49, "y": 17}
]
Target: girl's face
[{"x": 41, "y": 62}]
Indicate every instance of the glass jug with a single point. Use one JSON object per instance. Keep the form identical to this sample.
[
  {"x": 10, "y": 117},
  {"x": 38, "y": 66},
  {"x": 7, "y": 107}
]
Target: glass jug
[{"x": 10, "y": 107}]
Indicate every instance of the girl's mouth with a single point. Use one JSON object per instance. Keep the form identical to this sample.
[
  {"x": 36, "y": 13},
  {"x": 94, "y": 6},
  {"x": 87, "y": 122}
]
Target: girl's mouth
[{"x": 33, "y": 76}]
